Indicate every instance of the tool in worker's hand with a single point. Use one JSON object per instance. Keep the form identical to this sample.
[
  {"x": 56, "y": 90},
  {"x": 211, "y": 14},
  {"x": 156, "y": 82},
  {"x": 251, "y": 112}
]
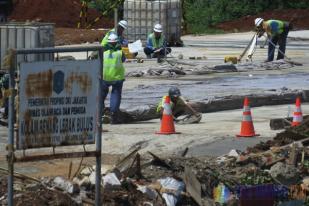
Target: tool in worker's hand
[
  {"x": 279, "y": 50},
  {"x": 250, "y": 48},
  {"x": 287, "y": 59},
  {"x": 263, "y": 45},
  {"x": 195, "y": 113}
]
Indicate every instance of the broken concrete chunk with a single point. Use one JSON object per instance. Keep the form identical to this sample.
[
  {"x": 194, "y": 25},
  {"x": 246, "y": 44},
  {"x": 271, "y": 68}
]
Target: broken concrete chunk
[
  {"x": 86, "y": 171},
  {"x": 285, "y": 174},
  {"x": 151, "y": 193},
  {"x": 111, "y": 181},
  {"x": 280, "y": 123},
  {"x": 225, "y": 68},
  {"x": 33, "y": 187},
  {"x": 84, "y": 182},
  {"x": 65, "y": 185},
  {"x": 234, "y": 153}
]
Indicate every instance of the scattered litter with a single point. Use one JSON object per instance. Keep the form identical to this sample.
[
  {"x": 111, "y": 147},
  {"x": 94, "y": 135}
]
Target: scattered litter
[{"x": 111, "y": 181}]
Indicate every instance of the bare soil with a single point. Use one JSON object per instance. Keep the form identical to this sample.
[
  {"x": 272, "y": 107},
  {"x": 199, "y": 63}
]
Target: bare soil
[
  {"x": 68, "y": 36},
  {"x": 64, "y": 13}
]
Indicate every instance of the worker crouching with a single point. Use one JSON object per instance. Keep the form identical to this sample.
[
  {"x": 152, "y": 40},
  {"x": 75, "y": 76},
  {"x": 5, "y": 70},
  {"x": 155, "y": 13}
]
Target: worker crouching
[
  {"x": 156, "y": 46},
  {"x": 179, "y": 107}
]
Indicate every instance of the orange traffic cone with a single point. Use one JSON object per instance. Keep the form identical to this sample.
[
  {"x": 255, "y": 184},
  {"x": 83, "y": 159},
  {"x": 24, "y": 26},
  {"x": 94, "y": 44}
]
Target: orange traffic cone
[
  {"x": 167, "y": 122},
  {"x": 247, "y": 128},
  {"x": 297, "y": 115}
]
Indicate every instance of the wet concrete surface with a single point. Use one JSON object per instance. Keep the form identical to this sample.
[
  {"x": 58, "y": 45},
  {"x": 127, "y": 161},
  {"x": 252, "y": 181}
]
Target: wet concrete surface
[{"x": 207, "y": 89}]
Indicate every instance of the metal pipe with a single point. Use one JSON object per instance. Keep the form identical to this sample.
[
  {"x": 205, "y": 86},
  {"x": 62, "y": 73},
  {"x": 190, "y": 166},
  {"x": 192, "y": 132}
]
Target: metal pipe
[
  {"x": 10, "y": 145},
  {"x": 99, "y": 135},
  {"x": 58, "y": 49},
  {"x": 55, "y": 156},
  {"x": 279, "y": 50}
]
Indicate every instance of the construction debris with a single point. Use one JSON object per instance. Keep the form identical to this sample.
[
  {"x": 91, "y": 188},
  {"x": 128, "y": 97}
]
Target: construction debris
[
  {"x": 275, "y": 174},
  {"x": 174, "y": 68}
]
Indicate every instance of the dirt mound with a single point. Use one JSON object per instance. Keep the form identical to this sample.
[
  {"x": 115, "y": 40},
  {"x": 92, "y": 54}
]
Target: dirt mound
[
  {"x": 67, "y": 36},
  {"x": 298, "y": 17},
  {"x": 64, "y": 13}
]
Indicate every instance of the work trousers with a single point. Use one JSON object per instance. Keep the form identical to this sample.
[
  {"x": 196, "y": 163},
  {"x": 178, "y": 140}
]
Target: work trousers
[
  {"x": 162, "y": 53},
  {"x": 115, "y": 98},
  {"x": 278, "y": 39}
]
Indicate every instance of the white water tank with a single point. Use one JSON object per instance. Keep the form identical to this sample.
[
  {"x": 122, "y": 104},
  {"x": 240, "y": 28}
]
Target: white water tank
[
  {"x": 28, "y": 35},
  {"x": 142, "y": 15}
]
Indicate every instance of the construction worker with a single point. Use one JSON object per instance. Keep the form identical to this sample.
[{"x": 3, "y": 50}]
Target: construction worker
[
  {"x": 122, "y": 26},
  {"x": 178, "y": 104},
  {"x": 4, "y": 87},
  {"x": 113, "y": 75},
  {"x": 277, "y": 33},
  {"x": 156, "y": 44}
]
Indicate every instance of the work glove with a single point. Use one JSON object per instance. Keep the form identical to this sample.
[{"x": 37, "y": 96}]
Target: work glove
[
  {"x": 157, "y": 50},
  {"x": 260, "y": 32}
]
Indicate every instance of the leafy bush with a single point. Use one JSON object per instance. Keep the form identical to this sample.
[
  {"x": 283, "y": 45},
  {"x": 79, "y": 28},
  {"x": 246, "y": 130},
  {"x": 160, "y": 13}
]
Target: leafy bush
[{"x": 200, "y": 15}]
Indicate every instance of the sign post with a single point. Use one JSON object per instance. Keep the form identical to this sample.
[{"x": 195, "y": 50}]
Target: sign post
[{"x": 60, "y": 104}]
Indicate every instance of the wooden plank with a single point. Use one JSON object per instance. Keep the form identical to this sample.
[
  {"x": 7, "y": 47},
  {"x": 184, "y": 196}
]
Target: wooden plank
[
  {"x": 158, "y": 160},
  {"x": 193, "y": 186},
  {"x": 125, "y": 163},
  {"x": 293, "y": 155}
]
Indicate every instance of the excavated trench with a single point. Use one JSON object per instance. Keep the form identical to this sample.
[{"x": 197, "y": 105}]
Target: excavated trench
[
  {"x": 218, "y": 94},
  {"x": 217, "y": 88}
]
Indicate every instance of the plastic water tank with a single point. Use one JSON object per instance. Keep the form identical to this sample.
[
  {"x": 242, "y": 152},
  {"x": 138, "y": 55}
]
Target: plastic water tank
[
  {"x": 142, "y": 15},
  {"x": 26, "y": 35}
]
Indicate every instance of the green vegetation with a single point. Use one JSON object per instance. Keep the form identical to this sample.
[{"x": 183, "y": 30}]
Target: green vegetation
[
  {"x": 201, "y": 15},
  {"x": 104, "y": 6}
]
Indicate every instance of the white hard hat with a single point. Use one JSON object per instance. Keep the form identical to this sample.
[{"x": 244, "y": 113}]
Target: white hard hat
[
  {"x": 258, "y": 21},
  {"x": 112, "y": 38},
  {"x": 123, "y": 24},
  {"x": 158, "y": 28}
]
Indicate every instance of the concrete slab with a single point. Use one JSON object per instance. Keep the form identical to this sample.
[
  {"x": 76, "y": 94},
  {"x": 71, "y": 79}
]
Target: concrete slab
[{"x": 215, "y": 135}]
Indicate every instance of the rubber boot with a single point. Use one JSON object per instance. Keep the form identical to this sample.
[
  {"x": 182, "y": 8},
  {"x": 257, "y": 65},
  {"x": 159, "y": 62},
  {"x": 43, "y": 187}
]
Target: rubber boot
[{"x": 114, "y": 118}]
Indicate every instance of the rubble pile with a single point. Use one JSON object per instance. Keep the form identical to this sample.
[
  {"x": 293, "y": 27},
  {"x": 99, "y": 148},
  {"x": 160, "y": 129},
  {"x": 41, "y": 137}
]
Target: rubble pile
[
  {"x": 29, "y": 191},
  {"x": 274, "y": 175},
  {"x": 288, "y": 136}
]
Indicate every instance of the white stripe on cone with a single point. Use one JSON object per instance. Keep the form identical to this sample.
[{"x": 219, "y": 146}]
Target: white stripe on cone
[
  {"x": 247, "y": 118},
  {"x": 167, "y": 109},
  {"x": 297, "y": 118},
  {"x": 246, "y": 109}
]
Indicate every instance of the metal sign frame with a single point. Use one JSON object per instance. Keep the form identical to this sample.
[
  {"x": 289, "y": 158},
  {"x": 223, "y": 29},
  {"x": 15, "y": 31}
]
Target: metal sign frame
[{"x": 10, "y": 147}]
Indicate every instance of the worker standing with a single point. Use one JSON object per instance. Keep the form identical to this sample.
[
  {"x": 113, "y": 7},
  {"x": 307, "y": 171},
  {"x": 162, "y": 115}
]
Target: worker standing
[
  {"x": 277, "y": 33},
  {"x": 121, "y": 27},
  {"x": 113, "y": 75},
  {"x": 156, "y": 44},
  {"x": 178, "y": 104}
]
